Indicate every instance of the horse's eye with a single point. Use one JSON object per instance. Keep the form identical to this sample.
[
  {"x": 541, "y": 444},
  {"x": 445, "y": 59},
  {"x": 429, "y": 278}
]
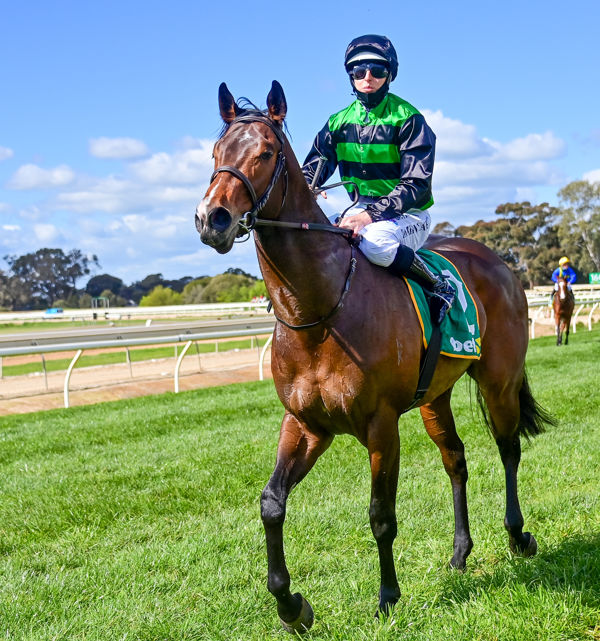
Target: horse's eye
[{"x": 266, "y": 155}]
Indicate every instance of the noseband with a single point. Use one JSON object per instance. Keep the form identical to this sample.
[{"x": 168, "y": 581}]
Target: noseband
[{"x": 249, "y": 219}]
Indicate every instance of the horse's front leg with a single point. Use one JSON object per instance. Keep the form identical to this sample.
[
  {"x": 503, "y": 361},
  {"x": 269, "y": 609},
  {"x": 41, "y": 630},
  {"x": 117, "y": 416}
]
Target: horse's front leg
[
  {"x": 383, "y": 444},
  {"x": 298, "y": 450}
]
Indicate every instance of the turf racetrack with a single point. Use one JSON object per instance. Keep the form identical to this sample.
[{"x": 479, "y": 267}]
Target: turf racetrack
[{"x": 140, "y": 520}]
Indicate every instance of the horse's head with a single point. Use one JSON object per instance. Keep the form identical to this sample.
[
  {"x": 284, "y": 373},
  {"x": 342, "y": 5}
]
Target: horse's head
[
  {"x": 562, "y": 287},
  {"x": 249, "y": 161}
]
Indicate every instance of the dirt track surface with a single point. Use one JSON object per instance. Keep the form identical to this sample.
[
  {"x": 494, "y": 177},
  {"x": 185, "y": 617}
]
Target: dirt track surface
[{"x": 88, "y": 385}]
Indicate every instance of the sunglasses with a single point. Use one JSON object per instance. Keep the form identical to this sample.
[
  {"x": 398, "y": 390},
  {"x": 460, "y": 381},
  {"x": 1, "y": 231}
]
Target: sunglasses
[{"x": 377, "y": 71}]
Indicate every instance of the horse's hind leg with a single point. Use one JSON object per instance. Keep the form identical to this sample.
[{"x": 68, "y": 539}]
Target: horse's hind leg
[
  {"x": 297, "y": 452},
  {"x": 567, "y": 328},
  {"x": 504, "y": 408},
  {"x": 439, "y": 423}
]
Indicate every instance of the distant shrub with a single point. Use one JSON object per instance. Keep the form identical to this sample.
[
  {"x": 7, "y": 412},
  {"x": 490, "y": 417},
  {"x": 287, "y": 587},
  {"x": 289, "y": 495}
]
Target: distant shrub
[{"x": 161, "y": 296}]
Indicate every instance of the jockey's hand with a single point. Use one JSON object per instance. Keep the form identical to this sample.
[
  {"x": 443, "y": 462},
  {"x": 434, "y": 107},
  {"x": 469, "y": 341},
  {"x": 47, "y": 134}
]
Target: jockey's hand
[{"x": 356, "y": 222}]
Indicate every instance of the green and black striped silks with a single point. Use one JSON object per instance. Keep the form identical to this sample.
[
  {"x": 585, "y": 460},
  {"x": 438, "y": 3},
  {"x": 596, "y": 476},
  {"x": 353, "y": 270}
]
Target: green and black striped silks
[{"x": 388, "y": 152}]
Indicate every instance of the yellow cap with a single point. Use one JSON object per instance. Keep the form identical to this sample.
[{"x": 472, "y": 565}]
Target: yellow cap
[{"x": 563, "y": 260}]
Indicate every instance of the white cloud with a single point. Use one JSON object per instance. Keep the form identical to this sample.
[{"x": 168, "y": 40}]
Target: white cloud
[
  {"x": 592, "y": 176},
  {"x": 109, "y": 194},
  {"x": 544, "y": 146},
  {"x": 34, "y": 177},
  {"x": 11, "y": 228},
  {"x": 5, "y": 153},
  {"x": 117, "y": 148},
  {"x": 455, "y": 139},
  {"x": 45, "y": 233},
  {"x": 190, "y": 166},
  {"x": 160, "y": 229}
]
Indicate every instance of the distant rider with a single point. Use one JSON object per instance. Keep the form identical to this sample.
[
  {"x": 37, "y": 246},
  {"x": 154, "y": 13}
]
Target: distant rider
[
  {"x": 564, "y": 270},
  {"x": 383, "y": 144}
]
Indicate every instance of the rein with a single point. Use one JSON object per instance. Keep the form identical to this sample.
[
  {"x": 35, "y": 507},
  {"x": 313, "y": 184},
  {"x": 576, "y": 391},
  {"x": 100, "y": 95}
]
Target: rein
[
  {"x": 250, "y": 219},
  {"x": 340, "y": 302}
]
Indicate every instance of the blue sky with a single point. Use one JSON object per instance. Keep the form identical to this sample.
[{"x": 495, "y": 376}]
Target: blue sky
[{"x": 109, "y": 110}]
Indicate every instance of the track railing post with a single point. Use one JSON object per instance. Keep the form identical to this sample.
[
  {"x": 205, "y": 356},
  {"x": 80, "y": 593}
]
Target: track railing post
[
  {"x": 68, "y": 376},
  {"x": 178, "y": 364}
]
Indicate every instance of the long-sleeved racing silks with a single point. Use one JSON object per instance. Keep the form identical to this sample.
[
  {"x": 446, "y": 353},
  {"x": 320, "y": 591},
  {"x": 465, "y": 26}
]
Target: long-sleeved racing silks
[
  {"x": 567, "y": 272},
  {"x": 388, "y": 152}
]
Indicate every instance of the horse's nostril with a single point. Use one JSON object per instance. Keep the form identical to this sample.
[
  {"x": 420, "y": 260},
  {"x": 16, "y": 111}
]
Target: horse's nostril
[
  {"x": 219, "y": 219},
  {"x": 198, "y": 222}
]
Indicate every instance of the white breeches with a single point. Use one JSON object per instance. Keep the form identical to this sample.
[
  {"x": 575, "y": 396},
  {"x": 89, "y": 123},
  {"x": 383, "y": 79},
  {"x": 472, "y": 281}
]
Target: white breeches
[{"x": 380, "y": 240}]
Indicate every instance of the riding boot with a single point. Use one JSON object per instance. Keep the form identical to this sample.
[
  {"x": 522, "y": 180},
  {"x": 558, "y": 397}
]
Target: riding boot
[{"x": 441, "y": 293}]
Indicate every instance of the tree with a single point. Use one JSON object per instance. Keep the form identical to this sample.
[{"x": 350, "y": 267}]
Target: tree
[
  {"x": 192, "y": 292},
  {"x": 228, "y": 288},
  {"x": 50, "y": 274},
  {"x": 161, "y": 296},
  {"x": 524, "y": 236},
  {"x": 14, "y": 292},
  {"x": 444, "y": 229},
  {"x": 97, "y": 284},
  {"x": 579, "y": 230},
  {"x": 113, "y": 299}
]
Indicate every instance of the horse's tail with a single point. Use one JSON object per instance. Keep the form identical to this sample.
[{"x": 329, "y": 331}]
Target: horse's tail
[{"x": 533, "y": 418}]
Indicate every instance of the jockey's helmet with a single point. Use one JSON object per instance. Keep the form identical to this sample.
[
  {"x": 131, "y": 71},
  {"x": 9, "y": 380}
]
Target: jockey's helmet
[
  {"x": 372, "y": 48},
  {"x": 564, "y": 261}
]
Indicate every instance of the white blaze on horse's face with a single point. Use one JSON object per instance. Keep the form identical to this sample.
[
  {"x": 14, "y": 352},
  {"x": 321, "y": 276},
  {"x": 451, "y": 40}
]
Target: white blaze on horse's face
[{"x": 562, "y": 288}]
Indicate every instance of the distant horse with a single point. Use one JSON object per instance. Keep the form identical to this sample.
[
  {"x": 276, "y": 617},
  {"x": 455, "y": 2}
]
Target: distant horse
[
  {"x": 563, "y": 304},
  {"x": 347, "y": 346}
]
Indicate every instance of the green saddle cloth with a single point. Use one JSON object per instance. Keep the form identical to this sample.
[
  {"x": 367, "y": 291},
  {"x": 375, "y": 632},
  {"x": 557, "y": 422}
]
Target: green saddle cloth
[{"x": 460, "y": 327}]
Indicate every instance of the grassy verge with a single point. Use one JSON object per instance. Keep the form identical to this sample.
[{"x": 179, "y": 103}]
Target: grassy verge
[{"x": 140, "y": 520}]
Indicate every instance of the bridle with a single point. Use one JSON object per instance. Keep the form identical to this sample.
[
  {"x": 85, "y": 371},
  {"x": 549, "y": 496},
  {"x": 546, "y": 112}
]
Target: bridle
[{"x": 250, "y": 219}]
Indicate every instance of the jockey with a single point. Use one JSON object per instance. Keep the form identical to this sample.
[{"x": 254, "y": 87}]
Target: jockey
[
  {"x": 564, "y": 270},
  {"x": 383, "y": 144}
]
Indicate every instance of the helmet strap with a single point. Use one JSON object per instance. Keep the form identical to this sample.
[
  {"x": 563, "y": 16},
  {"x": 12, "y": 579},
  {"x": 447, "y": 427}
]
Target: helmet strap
[{"x": 371, "y": 100}]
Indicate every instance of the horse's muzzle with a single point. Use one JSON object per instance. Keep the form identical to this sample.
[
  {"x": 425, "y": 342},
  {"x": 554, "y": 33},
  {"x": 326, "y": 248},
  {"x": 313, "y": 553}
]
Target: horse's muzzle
[{"x": 215, "y": 228}]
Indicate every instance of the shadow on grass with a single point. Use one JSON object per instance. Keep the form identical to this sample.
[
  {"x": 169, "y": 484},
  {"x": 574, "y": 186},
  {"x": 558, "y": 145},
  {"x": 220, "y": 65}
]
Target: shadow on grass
[{"x": 573, "y": 566}]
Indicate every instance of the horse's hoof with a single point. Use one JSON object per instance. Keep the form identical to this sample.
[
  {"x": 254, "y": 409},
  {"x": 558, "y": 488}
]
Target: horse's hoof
[
  {"x": 387, "y": 601},
  {"x": 303, "y": 622},
  {"x": 527, "y": 549},
  {"x": 460, "y": 565}
]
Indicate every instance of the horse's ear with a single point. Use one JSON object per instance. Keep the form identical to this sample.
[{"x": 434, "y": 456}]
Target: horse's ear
[
  {"x": 276, "y": 103},
  {"x": 229, "y": 110}
]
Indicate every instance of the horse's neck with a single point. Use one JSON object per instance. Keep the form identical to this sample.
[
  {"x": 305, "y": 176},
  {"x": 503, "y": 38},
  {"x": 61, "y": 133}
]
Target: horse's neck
[{"x": 304, "y": 271}]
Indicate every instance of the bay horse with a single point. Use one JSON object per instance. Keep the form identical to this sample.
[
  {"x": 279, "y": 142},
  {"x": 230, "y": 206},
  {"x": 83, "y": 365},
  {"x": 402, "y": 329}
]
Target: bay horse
[
  {"x": 347, "y": 346},
  {"x": 563, "y": 305}
]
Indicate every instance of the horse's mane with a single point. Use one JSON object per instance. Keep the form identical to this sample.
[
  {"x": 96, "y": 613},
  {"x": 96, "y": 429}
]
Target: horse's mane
[{"x": 247, "y": 108}]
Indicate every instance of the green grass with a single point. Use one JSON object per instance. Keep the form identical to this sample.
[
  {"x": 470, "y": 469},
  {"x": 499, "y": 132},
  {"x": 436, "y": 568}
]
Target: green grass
[
  {"x": 136, "y": 355},
  {"x": 140, "y": 520}
]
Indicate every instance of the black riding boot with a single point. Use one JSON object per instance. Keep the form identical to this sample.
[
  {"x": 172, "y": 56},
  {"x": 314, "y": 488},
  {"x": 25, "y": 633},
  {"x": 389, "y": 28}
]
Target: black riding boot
[{"x": 441, "y": 293}]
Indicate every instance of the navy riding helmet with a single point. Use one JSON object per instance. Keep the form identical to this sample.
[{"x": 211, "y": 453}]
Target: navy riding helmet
[{"x": 380, "y": 46}]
